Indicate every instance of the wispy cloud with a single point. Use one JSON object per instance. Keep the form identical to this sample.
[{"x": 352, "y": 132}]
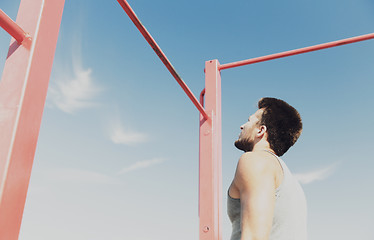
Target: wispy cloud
[
  {"x": 76, "y": 90},
  {"x": 141, "y": 164},
  {"x": 80, "y": 176},
  {"x": 119, "y": 135},
  {"x": 316, "y": 175}
]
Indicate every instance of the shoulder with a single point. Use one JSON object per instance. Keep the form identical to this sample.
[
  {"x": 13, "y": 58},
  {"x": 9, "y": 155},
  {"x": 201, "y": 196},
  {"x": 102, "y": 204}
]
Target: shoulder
[
  {"x": 255, "y": 166},
  {"x": 257, "y": 161}
]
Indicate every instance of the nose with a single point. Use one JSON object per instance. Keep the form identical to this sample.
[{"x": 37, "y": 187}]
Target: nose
[{"x": 241, "y": 127}]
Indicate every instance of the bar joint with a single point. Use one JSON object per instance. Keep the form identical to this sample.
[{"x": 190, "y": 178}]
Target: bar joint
[{"x": 14, "y": 30}]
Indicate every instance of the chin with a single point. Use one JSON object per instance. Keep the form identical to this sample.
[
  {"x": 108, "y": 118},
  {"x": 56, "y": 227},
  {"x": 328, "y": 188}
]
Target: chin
[{"x": 243, "y": 145}]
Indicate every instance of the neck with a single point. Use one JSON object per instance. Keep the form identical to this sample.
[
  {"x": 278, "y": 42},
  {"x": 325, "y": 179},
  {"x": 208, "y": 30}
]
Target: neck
[{"x": 262, "y": 145}]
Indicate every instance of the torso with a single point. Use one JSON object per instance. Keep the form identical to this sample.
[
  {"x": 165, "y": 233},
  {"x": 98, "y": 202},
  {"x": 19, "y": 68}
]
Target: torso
[{"x": 290, "y": 211}]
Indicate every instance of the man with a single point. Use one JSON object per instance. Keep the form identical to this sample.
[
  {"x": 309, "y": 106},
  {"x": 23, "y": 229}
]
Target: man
[{"x": 265, "y": 202}]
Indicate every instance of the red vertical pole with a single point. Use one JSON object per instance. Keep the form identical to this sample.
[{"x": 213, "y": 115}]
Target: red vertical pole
[
  {"x": 210, "y": 166},
  {"x": 23, "y": 89}
]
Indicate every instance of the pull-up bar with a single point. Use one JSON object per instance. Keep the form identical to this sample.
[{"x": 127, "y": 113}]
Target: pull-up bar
[
  {"x": 161, "y": 55},
  {"x": 297, "y": 51},
  {"x": 12, "y": 28}
]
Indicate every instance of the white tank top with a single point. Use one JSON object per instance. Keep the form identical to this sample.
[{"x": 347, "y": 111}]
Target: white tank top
[{"x": 290, "y": 212}]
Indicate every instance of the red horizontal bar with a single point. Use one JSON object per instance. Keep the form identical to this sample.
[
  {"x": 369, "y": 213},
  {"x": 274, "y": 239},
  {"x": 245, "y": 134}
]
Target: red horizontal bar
[
  {"x": 161, "y": 55},
  {"x": 297, "y": 51},
  {"x": 12, "y": 28}
]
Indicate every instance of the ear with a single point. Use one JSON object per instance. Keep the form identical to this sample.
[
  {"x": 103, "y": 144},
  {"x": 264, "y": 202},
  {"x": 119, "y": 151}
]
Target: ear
[{"x": 261, "y": 131}]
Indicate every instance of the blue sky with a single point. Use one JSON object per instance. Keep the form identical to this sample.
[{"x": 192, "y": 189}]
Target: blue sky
[{"x": 117, "y": 156}]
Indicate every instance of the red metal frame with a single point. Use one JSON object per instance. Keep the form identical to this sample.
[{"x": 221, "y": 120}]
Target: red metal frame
[
  {"x": 13, "y": 29},
  {"x": 23, "y": 89},
  {"x": 210, "y": 155},
  {"x": 297, "y": 51},
  {"x": 161, "y": 55}
]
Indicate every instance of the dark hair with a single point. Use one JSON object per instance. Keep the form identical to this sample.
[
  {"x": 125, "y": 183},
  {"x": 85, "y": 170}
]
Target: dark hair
[{"x": 283, "y": 123}]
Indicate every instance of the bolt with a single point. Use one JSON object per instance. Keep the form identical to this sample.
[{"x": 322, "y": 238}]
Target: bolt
[{"x": 206, "y": 229}]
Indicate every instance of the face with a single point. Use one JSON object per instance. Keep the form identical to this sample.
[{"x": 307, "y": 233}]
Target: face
[{"x": 249, "y": 130}]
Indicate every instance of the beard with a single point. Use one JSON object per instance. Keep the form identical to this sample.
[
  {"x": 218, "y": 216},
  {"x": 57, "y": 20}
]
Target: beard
[{"x": 244, "y": 145}]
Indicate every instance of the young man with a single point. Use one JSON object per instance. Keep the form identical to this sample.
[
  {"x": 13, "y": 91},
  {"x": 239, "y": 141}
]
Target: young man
[{"x": 265, "y": 202}]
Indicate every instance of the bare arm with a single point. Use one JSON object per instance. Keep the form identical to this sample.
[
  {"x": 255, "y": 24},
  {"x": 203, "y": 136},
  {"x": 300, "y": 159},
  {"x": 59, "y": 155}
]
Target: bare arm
[{"x": 255, "y": 179}]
